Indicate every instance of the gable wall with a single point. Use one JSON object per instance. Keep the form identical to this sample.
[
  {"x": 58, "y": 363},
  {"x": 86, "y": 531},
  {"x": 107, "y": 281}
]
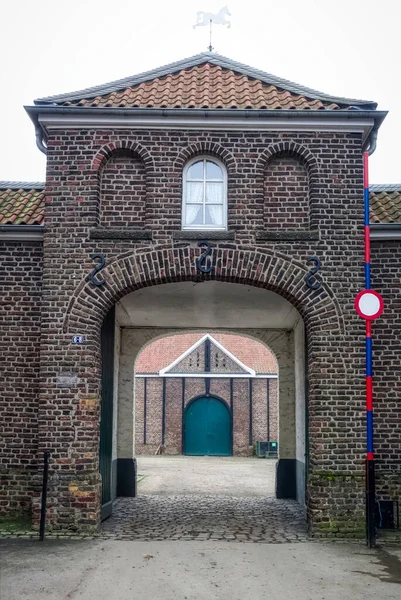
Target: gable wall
[{"x": 195, "y": 387}]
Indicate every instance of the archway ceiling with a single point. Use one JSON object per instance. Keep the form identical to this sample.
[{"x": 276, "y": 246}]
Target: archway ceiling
[{"x": 209, "y": 304}]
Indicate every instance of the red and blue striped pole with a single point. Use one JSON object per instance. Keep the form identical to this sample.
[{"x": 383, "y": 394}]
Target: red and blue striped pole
[{"x": 370, "y": 464}]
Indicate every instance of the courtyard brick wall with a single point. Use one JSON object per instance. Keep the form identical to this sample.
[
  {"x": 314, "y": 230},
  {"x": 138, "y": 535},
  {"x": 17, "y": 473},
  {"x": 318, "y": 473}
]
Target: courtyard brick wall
[
  {"x": 20, "y": 300},
  {"x": 194, "y": 387},
  {"x": 386, "y": 332}
]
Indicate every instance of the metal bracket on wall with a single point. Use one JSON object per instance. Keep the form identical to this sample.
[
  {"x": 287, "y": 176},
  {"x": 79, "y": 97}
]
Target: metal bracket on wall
[
  {"x": 310, "y": 279},
  {"x": 97, "y": 269},
  {"x": 201, "y": 263}
]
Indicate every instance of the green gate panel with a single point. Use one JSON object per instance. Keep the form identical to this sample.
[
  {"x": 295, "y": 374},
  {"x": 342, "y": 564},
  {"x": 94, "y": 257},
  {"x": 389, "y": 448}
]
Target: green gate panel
[
  {"x": 106, "y": 411},
  {"x": 207, "y": 428}
]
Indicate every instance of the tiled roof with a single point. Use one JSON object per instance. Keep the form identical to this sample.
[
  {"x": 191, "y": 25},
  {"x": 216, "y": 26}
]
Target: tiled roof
[
  {"x": 206, "y": 80},
  {"x": 206, "y": 86},
  {"x": 22, "y": 203},
  {"x": 385, "y": 203},
  {"x": 161, "y": 353}
]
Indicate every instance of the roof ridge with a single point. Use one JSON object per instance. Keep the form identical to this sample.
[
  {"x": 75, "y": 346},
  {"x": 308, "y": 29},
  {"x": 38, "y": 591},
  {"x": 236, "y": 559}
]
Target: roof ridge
[
  {"x": 196, "y": 60},
  {"x": 22, "y": 185},
  {"x": 385, "y": 187}
]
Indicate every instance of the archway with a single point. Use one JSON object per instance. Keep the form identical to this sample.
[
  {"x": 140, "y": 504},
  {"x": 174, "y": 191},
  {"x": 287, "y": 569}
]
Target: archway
[
  {"x": 207, "y": 427},
  {"x": 263, "y": 272},
  {"x": 170, "y": 309}
]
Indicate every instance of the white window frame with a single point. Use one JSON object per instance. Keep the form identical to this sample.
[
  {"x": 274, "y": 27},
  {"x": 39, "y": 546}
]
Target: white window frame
[{"x": 184, "y": 194}]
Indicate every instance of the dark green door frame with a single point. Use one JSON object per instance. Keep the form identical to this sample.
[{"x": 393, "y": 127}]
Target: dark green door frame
[{"x": 106, "y": 412}]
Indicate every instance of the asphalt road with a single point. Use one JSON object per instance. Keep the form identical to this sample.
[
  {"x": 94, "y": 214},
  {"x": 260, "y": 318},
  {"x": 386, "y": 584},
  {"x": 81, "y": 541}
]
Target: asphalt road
[{"x": 180, "y": 570}]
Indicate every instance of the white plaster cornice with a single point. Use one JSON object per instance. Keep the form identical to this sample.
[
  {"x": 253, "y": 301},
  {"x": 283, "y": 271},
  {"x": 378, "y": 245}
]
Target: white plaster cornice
[{"x": 90, "y": 120}]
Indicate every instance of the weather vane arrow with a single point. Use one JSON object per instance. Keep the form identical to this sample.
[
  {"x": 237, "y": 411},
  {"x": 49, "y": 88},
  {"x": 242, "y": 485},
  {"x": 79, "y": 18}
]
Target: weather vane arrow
[{"x": 208, "y": 18}]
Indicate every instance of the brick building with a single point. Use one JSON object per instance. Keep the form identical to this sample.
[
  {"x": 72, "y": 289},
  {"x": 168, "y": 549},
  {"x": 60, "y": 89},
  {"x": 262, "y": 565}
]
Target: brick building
[
  {"x": 110, "y": 253},
  {"x": 180, "y": 382}
]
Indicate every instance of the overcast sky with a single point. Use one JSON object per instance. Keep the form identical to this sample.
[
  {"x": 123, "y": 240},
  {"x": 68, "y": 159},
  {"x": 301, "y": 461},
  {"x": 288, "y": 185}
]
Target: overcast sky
[{"x": 346, "y": 48}]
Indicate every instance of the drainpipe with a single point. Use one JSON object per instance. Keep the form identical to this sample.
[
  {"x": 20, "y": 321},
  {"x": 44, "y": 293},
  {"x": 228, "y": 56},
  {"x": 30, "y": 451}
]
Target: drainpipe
[
  {"x": 373, "y": 140},
  {"x": 39, "y": 138}
]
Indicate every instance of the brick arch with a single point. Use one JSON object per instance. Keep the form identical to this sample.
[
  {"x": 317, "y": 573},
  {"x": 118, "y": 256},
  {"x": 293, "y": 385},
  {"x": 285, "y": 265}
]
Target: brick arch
[
  {"x": 209, "y": 148},
  {"x": 262, "y": 268},
  {"x": 295, "y": 150},
  {"x": 108, "y": 150}
]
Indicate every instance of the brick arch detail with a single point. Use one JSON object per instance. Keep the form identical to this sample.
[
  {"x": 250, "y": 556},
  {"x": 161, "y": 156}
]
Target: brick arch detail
[
  {"x": 206, "y": 148},
  {"x": 297, "y": 151},
  {"x": 110, "y": 149},
  {"x": 261, "y": 268}
]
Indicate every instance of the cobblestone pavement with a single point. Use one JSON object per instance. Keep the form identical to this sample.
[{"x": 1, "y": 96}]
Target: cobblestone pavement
[{"x": 206, "y": 517}]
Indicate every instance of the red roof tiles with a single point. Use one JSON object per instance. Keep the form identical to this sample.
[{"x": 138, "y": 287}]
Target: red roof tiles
[
  {"x": 22, "y": 206},
  {"x": 205, "y": 86},
  {"x": 385, "y": 206},
  {"x": 161, "y": 353}
]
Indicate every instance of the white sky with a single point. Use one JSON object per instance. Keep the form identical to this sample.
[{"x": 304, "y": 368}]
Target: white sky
[{"x": 347, "y": 48}]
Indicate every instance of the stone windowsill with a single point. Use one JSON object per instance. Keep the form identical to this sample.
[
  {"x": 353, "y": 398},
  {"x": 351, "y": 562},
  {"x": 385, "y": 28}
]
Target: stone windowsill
[
  {"x": 121, "y": 233},
  {"x": 203, "y": 235},
  {"x": 287, "y": 236}
]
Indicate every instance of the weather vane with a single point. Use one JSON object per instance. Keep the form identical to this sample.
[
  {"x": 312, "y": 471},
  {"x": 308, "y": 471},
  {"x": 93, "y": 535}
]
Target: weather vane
[{"x": 208, "y": 18}]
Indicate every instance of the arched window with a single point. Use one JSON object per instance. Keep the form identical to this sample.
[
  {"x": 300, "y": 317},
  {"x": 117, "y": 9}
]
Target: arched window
[{"x": 204, "y": 195}]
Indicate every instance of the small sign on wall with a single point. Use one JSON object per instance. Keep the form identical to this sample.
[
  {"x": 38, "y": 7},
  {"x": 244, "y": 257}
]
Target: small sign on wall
[
  {"x": 67, "y": 379},
  {"x": 78, "y": 339}
]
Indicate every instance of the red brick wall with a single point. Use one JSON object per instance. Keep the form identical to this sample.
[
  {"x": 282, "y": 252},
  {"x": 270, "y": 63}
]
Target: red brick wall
[
  {"x": 335, "y": 335},
  {"x": 386, "y": 279},
  {"x": 20, "y": 299},
  {"x": 123, "y": 191},
  {"x": 194, "y": 387},
  {"x": 286, "y": 194}
]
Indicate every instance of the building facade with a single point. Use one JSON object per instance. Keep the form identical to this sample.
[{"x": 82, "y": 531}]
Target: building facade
[
  {"x": 205, "y": 194},
  {"x": 181, "y": 381}
]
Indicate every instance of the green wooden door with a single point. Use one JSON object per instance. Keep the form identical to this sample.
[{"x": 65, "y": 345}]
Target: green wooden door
[
  {"x": 207, "y": 428},
  {"x": 106, "y": 412}
]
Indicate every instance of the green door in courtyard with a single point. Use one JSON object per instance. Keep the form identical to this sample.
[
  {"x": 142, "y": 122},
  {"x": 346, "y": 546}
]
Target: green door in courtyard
[{"x": 207, "y": 428}]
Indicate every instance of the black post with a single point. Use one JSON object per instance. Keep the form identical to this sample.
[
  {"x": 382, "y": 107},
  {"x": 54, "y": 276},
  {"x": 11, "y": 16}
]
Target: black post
[
  {"x": 370, "y": 504},
  {"x": 232, "y": 413},
  {"x": 182, "y": 415},
  {"x": 46, "y": 460},
  {"x": 250, "y": 412},
  {"x": 145, "y": 399},
  {"x": 164, "y": 412},
  {"x": 268, "y": 408}
]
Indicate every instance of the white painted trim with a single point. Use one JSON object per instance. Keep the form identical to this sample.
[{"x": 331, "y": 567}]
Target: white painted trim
[
  {"x": 385, "y": 235},
  {"x": 21, "y": 236},
  {"x": 208, "y": 375},
  {"x": 189, "y": 164},
  {"x": 63, "y": 121},
  {"x": 250, "y": 371}
]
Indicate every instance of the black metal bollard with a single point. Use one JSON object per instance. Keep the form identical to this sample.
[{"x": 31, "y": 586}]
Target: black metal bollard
[{"x": 46, "y": 460}]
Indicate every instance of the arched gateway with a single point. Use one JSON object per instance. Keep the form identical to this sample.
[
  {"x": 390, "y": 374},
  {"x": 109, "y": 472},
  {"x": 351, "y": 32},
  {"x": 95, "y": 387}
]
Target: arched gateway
[
  {"x": 164, "y": 211},
  {"x": 256, "y": 268}
]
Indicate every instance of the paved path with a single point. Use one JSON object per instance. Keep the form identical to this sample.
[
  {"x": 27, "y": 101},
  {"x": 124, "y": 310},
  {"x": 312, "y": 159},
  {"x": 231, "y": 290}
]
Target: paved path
[
  {"x": 206, "y": 498},
  {"x": 229, "y": 476},
  {"x": 196, "y": 517},
  {"x": 126, "y": 570}
]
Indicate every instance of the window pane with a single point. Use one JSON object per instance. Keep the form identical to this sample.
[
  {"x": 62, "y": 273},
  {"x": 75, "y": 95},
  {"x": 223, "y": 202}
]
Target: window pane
[
  {"x": 196, "y": 170},
  {"x": 214, "y": 215},
  {"x": 194, "y": 214},
  {"x": 194, "y": 192},
  {"x": 214, "y": 192},
  {"x": 213, "y": 171}
]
